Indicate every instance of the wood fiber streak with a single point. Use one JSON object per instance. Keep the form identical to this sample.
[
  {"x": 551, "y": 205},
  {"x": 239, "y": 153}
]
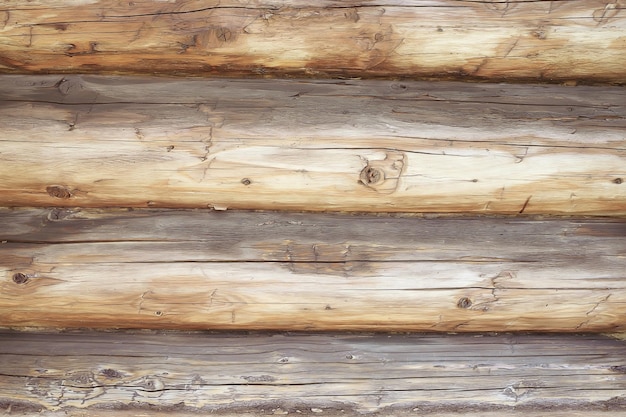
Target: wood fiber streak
[
  {"x": 496, "y": 40},
  {"x": 287, "y": 271},
  {"x": 312, "y": 373},
  {"x": 73, "y": 412},
  {"x": 312, "y": 145}
]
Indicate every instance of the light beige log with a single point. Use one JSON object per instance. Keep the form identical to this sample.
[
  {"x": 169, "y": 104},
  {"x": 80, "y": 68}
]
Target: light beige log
[
  {"x": 215, "y": 270},
  {"x": 312, "y": 145},
  {"x": 313, "y": 374},
  {"x": 506, "y": 40}
]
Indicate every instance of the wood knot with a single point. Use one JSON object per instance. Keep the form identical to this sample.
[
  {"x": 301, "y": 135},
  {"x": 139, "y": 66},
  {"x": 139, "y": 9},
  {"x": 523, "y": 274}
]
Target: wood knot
[
  {"x": 260, "y": 378},
  {"x": 152, "y": 384},
  {"x": 58, "y": 191},
  {"x": 57, "y": 214},
  {"x": 464, "y": 302},
  {"x": 111, "y": 373},
  {"x": 80, "y": 379},
  {"x": 20, "y": 278},
  {"x": 499, "y": 6},
  {"x": 223, "y": 34},
  {"x": 399, "y": 87},
  {"x": 352, "y": 15},
  {"x": 621, "y": 369},
  {"x": 371, "y": 176},
  {"x": 540, "y": 33},
  {"x": 149, "y": 387},
  {"x": 383, "y": 176}
]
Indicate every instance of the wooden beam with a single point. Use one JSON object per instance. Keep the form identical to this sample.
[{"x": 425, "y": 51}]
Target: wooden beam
[
  {"x": 312, "y": 145},
  {"x": 270, "y": 411},
  {"x": 243, "y": 271},
  {"x": 314, "y": 374},
  {"x": 501, "y": 40}
]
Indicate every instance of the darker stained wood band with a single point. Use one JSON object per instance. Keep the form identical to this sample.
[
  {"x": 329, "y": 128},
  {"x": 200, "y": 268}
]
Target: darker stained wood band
[{"x": 363, "y": 373}]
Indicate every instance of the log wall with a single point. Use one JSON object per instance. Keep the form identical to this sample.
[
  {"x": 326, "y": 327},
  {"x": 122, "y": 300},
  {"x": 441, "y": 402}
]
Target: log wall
[{"x": 121, "y": 198}]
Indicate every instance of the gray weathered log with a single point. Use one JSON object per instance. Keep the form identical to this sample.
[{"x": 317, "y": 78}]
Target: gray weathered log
[
  {"x": 183, "y": 269},
  {"x": 313, "y": 374}
]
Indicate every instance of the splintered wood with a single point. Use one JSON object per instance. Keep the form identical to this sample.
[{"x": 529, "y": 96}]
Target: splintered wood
[
  {"x": 312, "y": 374},
  {"x": 496, "y": 40},
  {"x": 312, "y": 145},
  {"x": 254, "y": 271}
]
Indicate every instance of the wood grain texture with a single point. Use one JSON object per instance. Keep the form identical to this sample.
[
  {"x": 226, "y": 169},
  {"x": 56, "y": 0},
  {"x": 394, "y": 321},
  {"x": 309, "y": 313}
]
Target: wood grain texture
[
  {"x": 312, "y": 145},
  {"x": 274, "y": 411},
  {"x": 312, "y": 373},
  {"x": 241, "y": 271},
  {"x": 505, "y": 40}
]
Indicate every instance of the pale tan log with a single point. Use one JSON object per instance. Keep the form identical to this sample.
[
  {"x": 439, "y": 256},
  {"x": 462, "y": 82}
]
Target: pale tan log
[
  {"x": 313, "y": 374},
  {"x": 243, "y": 271},
  {"x": 512, "y": 40},
  {"x": 312, "y": 145}
]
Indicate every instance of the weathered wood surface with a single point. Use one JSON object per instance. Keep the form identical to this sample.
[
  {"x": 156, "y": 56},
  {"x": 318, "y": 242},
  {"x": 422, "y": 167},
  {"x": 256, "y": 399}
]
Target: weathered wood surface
[
  {"x": 309, "y": 373},
  {"x": 269, "y": 411},
  {"x": 312, "y": 145},
  {"x": 506, "y": 40},
  {"x": 238, "y": 270}
]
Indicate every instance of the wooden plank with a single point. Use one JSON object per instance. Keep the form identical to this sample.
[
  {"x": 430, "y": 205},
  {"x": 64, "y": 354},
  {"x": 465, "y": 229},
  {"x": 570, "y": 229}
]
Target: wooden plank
[
  {"x": 312, "y": 372},
  {"x": 505, "y": 40},
  {"x": 312, "y": 145},
  {"x": 288, "y": 271},
  {"x": 307, "y": 412}
]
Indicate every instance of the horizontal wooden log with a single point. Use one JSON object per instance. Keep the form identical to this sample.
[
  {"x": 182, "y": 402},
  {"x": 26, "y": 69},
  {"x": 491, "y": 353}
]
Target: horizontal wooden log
[
  {"x": 273, "y": 411},
  {"x": 282, "y": 271},
  {"x": 492, "y": 39},
  {"x": 312, "y": 374},
  {"x": 312, "y": 145}
]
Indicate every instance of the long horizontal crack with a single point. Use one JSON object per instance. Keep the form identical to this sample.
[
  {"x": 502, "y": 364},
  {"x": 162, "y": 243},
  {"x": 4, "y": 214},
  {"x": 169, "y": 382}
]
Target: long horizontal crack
[
  {"x": 270, "y": 7},
  {"x": 431, "y": 99}
]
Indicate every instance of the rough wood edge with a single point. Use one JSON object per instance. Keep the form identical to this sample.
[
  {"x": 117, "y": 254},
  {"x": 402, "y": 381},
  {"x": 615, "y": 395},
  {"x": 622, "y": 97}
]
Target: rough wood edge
[{"x": 90, "y": 356}]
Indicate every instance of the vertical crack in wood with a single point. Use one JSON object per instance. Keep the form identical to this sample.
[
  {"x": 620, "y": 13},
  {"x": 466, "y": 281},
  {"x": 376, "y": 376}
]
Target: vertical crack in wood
[
  {"x": 588, "y": 314},
  {"x": 525, "y": 204}
]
